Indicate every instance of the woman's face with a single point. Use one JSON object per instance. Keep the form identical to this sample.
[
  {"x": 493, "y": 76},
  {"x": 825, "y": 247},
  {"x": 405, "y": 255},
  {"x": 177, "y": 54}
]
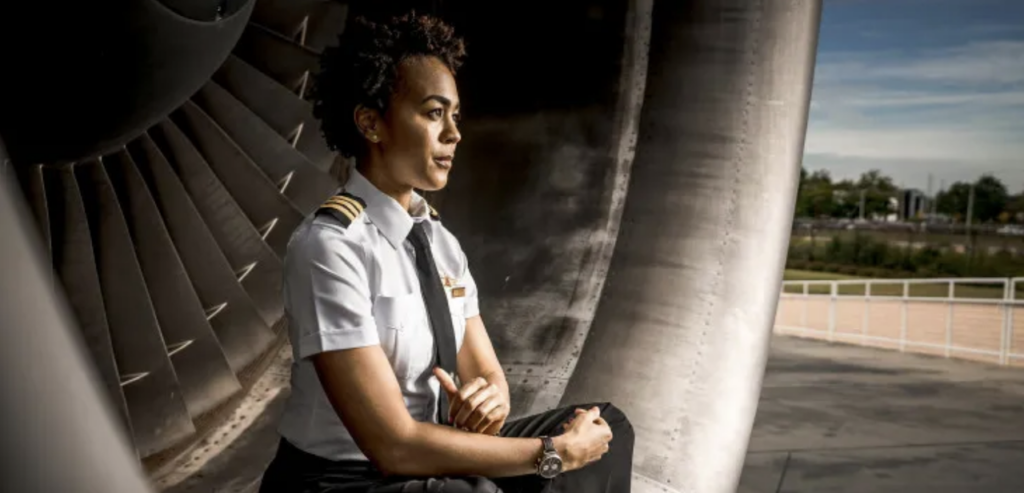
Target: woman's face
[{"x": 418, "y": 134}]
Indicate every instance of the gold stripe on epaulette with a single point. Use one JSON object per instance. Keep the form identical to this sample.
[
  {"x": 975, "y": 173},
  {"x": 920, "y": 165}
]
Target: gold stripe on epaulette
[
  {"x": 355, "y": 202},
  {"x": 355, "y": 207},
  {"x": 344, "y": 198},
  {"x": 341, "y": 209}
]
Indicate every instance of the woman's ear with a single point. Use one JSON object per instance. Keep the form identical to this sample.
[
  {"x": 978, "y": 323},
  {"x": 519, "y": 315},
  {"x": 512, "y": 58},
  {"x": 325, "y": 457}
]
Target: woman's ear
[{"x": 368, "y": 122}]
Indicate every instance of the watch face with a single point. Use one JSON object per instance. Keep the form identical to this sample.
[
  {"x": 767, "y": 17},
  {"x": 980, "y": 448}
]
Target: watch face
[{"x": 550, "y": 466}]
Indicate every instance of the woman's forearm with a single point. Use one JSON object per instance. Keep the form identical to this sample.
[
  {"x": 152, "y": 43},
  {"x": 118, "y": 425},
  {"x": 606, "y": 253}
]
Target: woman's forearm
[{"x": 433, "y": 450}]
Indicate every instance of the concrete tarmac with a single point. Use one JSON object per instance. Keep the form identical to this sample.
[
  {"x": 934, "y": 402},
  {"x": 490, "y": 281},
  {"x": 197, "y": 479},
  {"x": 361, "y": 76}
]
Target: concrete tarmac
[
  {"x": 831, "y": 419},
  {"x": 844, "y": 419}
]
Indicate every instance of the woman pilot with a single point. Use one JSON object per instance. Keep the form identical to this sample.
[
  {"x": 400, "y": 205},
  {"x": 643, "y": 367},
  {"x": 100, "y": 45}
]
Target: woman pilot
[{"x": 383, "y": 311}]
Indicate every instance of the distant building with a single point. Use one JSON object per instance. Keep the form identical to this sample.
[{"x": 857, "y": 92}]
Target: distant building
[{"x": 913, "y": 204}]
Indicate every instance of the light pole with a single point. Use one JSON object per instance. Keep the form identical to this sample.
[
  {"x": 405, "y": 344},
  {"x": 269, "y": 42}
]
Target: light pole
[
  {"x": 862, "y": 191},
  {"x": 969, "y": 244}
]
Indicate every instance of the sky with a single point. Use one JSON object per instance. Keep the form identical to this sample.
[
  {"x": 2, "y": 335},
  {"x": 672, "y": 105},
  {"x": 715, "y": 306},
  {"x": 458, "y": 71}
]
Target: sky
[{"x": 919, "y": 87}]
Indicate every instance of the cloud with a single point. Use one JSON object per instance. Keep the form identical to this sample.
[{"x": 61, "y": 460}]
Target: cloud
[
  {"x": 978, "y": 63},
  {"x": 952, "y": 111},
  {"x": 910, "y": 99},
  {"x": 913, "y": 143}
]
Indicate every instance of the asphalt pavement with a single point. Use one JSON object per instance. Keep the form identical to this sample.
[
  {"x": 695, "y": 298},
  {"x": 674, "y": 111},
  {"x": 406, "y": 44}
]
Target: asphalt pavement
[{"x": 844, "y": 419}]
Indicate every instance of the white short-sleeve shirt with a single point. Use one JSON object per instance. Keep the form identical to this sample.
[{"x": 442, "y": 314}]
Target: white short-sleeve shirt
[{"x": 355, "y": 285}]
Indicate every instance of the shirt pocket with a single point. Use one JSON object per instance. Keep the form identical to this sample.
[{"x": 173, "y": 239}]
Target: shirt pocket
[{"x": 401, "y": 327}]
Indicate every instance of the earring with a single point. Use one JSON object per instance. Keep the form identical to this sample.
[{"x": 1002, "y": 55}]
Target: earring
[{"x": 373, "y": 137}]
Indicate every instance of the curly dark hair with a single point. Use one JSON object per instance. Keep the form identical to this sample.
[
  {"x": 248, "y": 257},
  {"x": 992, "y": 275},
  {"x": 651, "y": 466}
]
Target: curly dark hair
[{"x": 363, "y": 69}]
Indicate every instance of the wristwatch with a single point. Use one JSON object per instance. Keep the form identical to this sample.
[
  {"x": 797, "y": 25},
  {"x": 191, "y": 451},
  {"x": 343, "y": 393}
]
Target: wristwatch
[{"x": 549, "y": 464}]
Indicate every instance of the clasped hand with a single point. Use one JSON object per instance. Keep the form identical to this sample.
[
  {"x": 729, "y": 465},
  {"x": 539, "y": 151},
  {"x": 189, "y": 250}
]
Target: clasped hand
[{"x": 477, "y": 407}]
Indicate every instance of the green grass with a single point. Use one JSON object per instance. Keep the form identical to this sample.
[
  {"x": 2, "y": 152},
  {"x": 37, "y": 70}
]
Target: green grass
[
  {"x": 810, "y": 275},
  {"x": 925, "y": 290},
  {"x": 982, "y": 242}
]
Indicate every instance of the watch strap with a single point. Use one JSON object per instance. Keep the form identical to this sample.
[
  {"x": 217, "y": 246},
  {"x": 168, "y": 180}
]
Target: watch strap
[
  {"x": 549, "y": 453},
  {"x": 549, "y": 444}
]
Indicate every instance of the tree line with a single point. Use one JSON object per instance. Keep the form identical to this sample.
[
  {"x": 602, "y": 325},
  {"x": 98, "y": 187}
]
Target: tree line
[{"x": 821, "y": 197}]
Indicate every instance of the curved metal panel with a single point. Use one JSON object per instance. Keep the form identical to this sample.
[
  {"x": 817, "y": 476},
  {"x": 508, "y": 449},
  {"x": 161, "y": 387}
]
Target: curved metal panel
[
  {"x": 289, "y": 116},
  {"x": 242, "y": 334},
  {"x": 255, "y": 265},
  {"x": 681, "y": 335},
  {"x": 150, "y": 385},
  {"x": 297, "y": 179},
  {"x": 5, "y": 162},
  {"x": 204, "y": 375},
  {"x": 326, "y": 22},
  {"x": 75, "y": 266},
  {"x": 272, "y": 213},
  {"x": 58, "y": 433},
  {"x": 314, "y": 24},
  {"x": 284, "y": 16},
  {"x": 35, "y": 193},
  {"x": 537, "y": 190},
  {"x": 288, "y": 63},
  {"x": 205, "y": 10},
  {"x": 143, "y": 60}
]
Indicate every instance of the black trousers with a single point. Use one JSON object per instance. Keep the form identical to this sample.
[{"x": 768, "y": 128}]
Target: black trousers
[{"x": 295, "y": 471}]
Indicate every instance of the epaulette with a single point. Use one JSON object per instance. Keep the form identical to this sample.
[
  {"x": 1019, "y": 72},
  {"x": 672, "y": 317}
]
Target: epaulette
[
  {"x": 344, "y": 206},
  {"x": 433, "y": 213}
]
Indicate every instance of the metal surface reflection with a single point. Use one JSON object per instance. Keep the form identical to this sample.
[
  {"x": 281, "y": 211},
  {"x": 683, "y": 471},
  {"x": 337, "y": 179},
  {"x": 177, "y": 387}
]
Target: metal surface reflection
[
  {"x": 59, "y": 432},
  {"x": 681, "y": 336}
]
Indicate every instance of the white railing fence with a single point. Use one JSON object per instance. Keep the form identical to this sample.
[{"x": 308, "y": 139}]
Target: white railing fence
[{"x": 979, "y": 319}]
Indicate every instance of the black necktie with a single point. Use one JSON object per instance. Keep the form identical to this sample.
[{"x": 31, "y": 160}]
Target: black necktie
[{"x": 437, "y": 310}]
